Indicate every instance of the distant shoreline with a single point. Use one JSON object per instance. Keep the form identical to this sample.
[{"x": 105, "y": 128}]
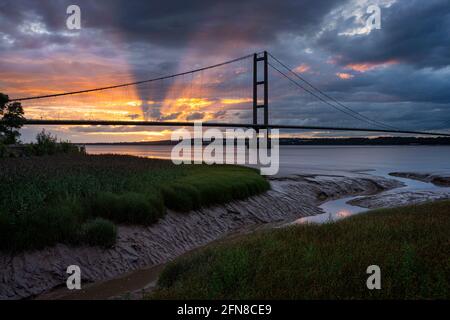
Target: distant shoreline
[{"x": 380, "y": 141}]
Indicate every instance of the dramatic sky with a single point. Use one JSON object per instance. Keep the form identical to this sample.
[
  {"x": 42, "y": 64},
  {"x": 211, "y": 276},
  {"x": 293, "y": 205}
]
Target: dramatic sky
[{"x": 399, "y": 74}]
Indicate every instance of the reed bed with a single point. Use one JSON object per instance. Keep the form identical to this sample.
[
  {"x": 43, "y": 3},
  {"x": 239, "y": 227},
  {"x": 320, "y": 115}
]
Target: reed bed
[{"x": 78, "y": 199}]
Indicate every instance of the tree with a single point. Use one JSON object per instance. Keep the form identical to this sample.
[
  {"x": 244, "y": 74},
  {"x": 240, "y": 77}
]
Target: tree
[{"x": 12, "y": 120}]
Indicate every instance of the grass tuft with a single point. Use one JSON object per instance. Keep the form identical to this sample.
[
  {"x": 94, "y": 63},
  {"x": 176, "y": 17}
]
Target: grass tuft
[
  {"x": 100, "y": 232},
  {"x": 126, "y": 208}
]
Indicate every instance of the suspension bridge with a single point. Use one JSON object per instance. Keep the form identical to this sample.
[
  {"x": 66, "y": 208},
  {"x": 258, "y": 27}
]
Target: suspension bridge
[{"x": 157, "y": 93}]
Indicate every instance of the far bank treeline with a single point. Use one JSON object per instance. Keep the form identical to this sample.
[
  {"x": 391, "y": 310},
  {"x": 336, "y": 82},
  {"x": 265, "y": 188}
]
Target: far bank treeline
[{"x": 379, "y": 141}]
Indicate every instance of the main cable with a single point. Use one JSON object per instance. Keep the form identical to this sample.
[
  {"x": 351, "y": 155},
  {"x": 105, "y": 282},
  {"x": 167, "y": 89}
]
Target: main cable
[
  {"x": 132, "y": 83},
  {"x": 378, "y": 123},
  {"x": 315, "y": 95}
]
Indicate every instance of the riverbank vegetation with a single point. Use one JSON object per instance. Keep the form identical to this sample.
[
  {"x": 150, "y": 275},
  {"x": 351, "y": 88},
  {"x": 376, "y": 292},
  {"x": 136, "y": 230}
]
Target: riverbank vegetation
[
  {"x": 329, "y": 261},
  {"x": 79, "y": 198},
  {"x": 45, "y": 144},
  {"x": 11, "y": 120}
]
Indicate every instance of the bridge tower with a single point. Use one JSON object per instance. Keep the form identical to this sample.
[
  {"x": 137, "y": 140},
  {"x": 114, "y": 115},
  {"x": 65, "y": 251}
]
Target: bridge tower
[{"x": 259, "y": 58}]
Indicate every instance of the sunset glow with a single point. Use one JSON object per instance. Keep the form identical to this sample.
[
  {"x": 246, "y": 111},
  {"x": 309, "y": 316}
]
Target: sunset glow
[{"x": 363, "y": 67}]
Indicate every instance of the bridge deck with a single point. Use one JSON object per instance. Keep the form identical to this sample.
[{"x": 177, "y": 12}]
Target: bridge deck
[{"x": 219, "y": 125}]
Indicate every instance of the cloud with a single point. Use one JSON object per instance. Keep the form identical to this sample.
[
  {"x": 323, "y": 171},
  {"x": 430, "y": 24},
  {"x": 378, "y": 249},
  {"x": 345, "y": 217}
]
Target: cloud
[
  {"x": 170, "y": 116},
  {"x": 344, "y": 76},
  {"x": 368, "y": 66},
  {"x": 176, "y": 23},
  {"x": 195, "y": 116},
  {"x": 302, "y": 68},
  {"x": 413, "y": 32}
]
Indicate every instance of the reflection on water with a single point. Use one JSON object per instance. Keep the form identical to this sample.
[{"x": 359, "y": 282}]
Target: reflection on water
[
  {"x": 377, "y": 160},
  {"x": 333, "y": 210},
  {"x": 161, "y": 152},
  {"x": 342, "y": 213}
]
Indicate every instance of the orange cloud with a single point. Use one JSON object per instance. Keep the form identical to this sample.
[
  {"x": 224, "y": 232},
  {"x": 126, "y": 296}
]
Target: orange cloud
[
  {"x": 344, "y": 76},
  {"x": 235, "y": 101},
  {"x": 302, "y": 68},
  {"x": 363, "y": 67}
]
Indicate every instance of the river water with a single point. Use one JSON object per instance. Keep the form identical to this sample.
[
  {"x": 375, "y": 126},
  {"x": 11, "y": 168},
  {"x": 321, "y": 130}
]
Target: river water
[{"x": 376, "y": 160}]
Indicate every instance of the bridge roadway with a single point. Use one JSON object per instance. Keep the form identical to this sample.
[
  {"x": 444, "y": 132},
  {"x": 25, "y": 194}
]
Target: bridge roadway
[{"x": 219, "y": 125}]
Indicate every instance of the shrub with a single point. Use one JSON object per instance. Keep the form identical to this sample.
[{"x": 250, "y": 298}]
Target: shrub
[
  {"x": 42, "y": 227},
  {"x": 47, "y": 144},
  {"x": 181, "y": 197},
  {"x": 128, "y": 208},
  {"x": 99, "y": 232},
  {"x": 68, "y": 147},
  {"x": 156, "y": 202}
]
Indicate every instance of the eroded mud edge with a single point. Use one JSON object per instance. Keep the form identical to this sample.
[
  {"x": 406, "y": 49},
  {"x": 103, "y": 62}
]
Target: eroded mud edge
[{"x": 438, "y": 179}]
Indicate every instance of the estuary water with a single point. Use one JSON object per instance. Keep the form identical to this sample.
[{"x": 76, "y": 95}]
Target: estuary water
[{"x": 294, "y": 159}]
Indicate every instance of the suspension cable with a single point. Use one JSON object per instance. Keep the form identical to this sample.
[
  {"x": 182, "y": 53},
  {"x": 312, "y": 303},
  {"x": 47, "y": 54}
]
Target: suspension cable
[
  {"x": 133, "y": 83},
  {"x": 378, "y": 123}
]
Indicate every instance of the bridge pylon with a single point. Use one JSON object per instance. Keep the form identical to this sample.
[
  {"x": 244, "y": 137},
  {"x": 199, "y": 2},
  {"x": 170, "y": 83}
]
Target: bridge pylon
[{"x": 263, "y": 103}]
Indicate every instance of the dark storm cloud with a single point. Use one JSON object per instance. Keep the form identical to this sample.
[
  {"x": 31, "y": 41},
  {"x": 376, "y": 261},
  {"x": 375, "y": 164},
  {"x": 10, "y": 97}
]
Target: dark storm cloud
[
  {"x": 399, "y": 83},
  {"x": 174, "y": 23},
  {"x": 414, "y": 32}
]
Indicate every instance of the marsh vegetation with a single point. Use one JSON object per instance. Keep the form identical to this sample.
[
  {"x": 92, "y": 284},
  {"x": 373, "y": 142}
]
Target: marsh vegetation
[{"x": 78, "y": 199}]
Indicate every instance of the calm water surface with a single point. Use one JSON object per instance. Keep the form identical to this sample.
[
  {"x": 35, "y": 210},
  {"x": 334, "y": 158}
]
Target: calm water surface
[{"x": 293, "y": 159}]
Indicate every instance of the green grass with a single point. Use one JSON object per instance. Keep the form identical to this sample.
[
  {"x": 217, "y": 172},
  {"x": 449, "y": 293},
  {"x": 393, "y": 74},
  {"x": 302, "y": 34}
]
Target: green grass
[
  {"x": 47, "y": 200},
  {"x": 410, "y": 244},
  {"x": 99, "y": 232}
]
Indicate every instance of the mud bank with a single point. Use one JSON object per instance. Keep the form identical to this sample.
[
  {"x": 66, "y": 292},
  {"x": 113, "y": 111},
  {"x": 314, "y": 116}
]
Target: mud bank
[
  {"x": 441, "y": 180},
  {"x": 33, "y": 273},
  {"x": 399, "y": 198}
]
